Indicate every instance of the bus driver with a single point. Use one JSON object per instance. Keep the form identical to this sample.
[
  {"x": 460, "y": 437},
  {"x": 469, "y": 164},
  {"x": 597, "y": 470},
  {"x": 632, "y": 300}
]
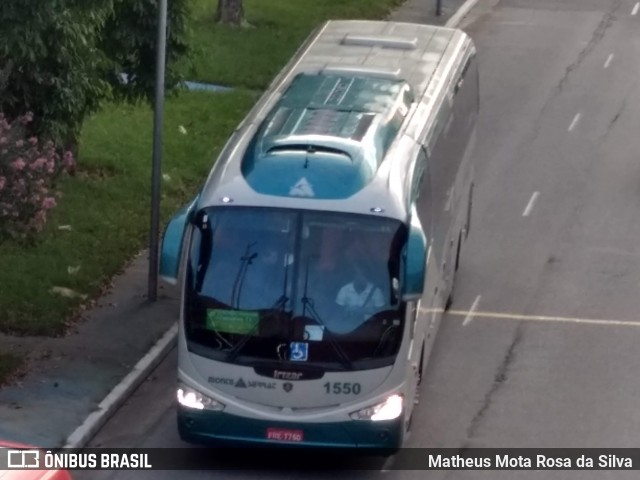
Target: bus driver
[{"x": 360, "y": 296}]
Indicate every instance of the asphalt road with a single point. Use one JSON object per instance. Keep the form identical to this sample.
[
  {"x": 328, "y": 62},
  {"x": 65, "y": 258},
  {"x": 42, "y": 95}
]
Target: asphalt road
[{"x": 554, "y": 245}]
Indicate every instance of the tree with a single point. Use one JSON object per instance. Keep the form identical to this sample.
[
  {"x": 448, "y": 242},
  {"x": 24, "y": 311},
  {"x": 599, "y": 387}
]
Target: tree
[
  {"x": 129, "y": 42},
  {"x": 50, "y": 62},
  {"x": 61, "y": 58},
  {"x": 230, "y": 12}
]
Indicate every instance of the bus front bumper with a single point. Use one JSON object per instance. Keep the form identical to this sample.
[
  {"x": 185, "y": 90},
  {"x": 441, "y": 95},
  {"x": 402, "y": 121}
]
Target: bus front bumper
[{"x": 219, "y": 428}]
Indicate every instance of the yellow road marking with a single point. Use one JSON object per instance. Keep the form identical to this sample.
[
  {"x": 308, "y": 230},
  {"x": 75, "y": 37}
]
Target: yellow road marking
[{"x": 535, "y": 318}]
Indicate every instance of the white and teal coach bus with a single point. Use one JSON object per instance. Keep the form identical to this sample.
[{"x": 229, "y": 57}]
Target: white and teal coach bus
[{"x": 317, "y": 259}]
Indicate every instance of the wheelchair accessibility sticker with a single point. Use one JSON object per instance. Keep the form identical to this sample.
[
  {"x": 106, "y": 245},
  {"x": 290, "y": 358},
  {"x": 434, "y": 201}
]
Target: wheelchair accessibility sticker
[{"x": 298, "y": 351}]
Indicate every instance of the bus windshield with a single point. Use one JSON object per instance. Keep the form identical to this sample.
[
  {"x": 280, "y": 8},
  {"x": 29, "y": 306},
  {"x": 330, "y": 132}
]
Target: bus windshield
[{"x": 275, "y": 285}]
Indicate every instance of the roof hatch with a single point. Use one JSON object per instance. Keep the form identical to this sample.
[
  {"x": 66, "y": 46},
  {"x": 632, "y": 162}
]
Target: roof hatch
[{"x": 330, "y": 130}]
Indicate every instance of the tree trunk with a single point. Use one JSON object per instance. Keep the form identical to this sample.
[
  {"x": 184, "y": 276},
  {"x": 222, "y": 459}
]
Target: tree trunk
[
  {"x": 230, "y": 12},
  {"x": 5, "y": 73}
]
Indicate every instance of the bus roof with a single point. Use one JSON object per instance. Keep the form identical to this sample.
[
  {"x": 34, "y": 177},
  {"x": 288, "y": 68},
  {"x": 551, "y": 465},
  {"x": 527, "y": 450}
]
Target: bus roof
[{"x": 320, "y": 136}]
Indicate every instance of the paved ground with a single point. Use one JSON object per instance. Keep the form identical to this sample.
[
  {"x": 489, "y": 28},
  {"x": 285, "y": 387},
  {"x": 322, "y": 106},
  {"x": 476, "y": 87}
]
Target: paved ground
[
  {"x": 424, "y": 11},
  {"x": 552, "y": 264},
  {"x": 68, "y": 377}
]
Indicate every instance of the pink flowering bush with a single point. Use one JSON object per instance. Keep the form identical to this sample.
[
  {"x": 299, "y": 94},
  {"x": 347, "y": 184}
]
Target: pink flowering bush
[{"x": 28, "y": 174}]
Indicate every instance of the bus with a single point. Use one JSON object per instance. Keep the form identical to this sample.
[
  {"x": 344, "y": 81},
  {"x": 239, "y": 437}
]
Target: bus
[{"x": 318, "y": 258}]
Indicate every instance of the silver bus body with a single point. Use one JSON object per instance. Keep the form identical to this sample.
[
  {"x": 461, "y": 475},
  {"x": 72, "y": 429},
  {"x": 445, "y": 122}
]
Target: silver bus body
[{"x": 366, "y": 134}]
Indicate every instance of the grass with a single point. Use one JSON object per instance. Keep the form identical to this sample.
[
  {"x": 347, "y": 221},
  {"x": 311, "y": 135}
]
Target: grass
[
  {"x": 107, "y": 202},
  {"x": 252, "y": 56}
]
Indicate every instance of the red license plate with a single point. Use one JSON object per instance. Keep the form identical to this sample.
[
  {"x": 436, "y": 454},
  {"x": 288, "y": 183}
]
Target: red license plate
[{"x": 285, "y": 435}]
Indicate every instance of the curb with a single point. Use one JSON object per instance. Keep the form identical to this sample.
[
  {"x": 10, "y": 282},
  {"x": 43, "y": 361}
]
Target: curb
[
  {"x": 462, "y": 12},
  {"x": 114, "y": 400}
]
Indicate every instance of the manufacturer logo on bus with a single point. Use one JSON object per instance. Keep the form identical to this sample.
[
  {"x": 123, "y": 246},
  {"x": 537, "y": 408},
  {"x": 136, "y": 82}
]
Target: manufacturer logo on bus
[
  {"x": 289, "y": 375},
  {"x": 287, "y": 386},
  {"x": 302, "y": 189},
  {"x": 282, "y": 375}
]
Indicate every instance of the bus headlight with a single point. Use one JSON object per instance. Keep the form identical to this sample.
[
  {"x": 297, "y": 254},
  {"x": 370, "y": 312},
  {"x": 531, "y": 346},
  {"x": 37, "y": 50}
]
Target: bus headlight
[
  {"x": 390, "y": 409},
  {"x": 190, "y": 398}
]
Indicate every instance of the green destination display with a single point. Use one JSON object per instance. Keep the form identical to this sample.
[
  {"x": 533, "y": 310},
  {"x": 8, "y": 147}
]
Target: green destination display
[{"x": 231, "y": 321}]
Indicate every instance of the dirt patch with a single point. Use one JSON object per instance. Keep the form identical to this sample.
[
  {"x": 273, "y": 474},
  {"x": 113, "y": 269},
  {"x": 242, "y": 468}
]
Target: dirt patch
[{"x": 12, "y": 368}]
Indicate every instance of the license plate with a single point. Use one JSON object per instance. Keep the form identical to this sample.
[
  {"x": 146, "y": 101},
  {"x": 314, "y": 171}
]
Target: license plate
[{"x": 285, "y": 435}]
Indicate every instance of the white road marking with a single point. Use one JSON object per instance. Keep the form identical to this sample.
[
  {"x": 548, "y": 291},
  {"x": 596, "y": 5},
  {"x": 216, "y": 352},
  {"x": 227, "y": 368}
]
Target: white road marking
[
  {"x": 636, "y": 7},
  {"x": 447, "y": 206},
  {"x": 471, "y": 312},
  {"x": 575, "y": 121},
  {"x": 532, "y": 202},
  {"x": 388, "y": 464},
  {"x": 609, "y": 58}
]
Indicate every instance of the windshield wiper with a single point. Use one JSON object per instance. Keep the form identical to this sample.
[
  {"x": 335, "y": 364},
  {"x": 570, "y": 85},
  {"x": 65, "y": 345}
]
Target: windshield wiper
[
  {"x": 205, "y": 251},
  {"x": 278, "y": 307},
  {"x": 245, "y": 261},
  {"x": 308, "y": 302}
]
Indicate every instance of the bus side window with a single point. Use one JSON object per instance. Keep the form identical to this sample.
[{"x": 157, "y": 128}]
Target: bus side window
[
  {"x": 466, "y": 95},
  {"x": 423, "y": 196},
  {"x": 461, "y": 78},
  {"x": 419, "y": 174},
  {"x": 446, "y": 148},
  {"x": 442, "y": 171}
]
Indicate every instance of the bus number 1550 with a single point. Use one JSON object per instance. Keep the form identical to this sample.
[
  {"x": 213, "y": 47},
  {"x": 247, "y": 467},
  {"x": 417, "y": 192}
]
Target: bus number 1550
[{"x": 342, "y": 388}]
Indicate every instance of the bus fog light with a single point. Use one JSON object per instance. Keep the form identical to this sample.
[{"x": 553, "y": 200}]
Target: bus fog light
[
  {"x": 190, "y": 398},
  {"x": 390, "y": 409}
]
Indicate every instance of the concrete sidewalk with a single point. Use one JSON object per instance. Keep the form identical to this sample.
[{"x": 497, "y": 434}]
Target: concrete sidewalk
[
  {"x": 76, "y": 382},
  {"x": 424, "y": 11},
  {"x": 68, "y": 377}
]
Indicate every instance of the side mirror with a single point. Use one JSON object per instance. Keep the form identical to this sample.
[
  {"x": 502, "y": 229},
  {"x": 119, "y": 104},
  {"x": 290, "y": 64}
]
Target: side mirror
[
  {"x": 172, "y": 242},
  {"x": 415, "y": 260}
]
